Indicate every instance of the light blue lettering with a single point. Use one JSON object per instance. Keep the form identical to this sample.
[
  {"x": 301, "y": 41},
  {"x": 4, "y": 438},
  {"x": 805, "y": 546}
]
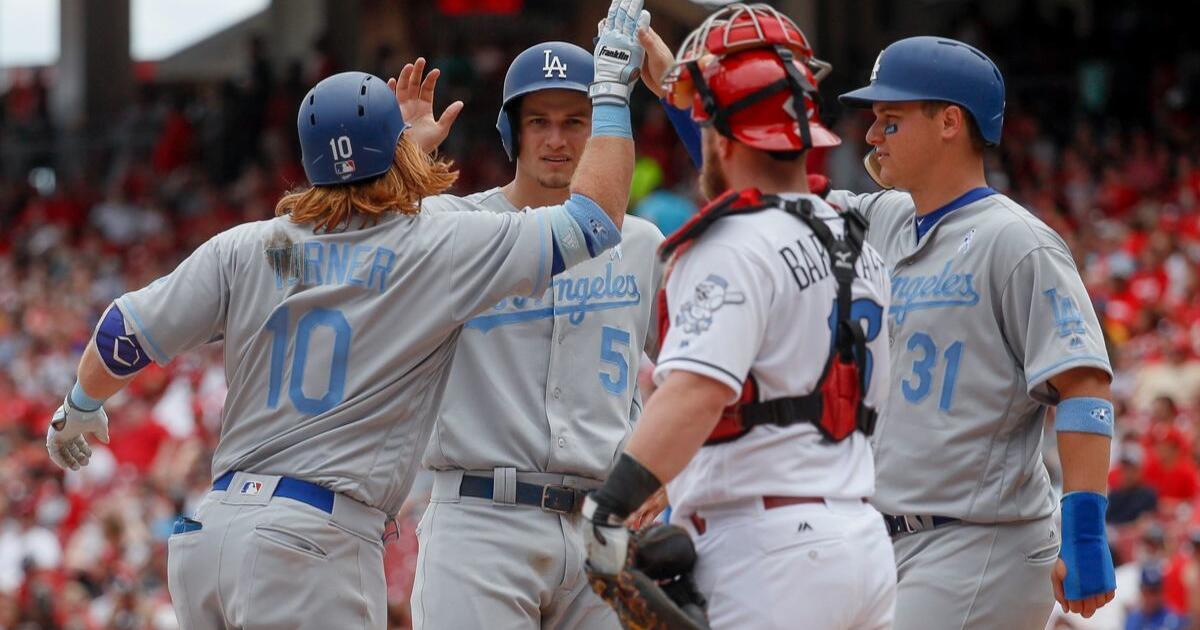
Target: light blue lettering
[
  {"x": 384, "y": 260},
  {"x": 355, "y": 263},
  {"x": 313, "y": 255},
  {"x": 339, "y": 256}
]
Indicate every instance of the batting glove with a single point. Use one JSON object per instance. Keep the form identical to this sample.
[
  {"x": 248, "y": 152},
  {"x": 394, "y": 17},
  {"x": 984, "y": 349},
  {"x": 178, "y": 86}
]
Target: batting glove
[
  {"x": 66, "y": 438},
  {"x": 607, "y": 540},
  {"x": 618, "y": 55}
]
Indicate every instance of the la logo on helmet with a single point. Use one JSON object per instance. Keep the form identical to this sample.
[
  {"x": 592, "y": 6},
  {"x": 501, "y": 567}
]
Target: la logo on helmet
[
  {"x": 874, "y": 70},
  {"x": 553, "y": 65}
]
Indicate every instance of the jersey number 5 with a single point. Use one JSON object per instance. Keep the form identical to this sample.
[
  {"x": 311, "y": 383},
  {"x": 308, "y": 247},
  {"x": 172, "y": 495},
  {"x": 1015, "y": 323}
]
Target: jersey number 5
[
  {"x": 335, "y": 391},
  {"x": 610, "y": 340}
]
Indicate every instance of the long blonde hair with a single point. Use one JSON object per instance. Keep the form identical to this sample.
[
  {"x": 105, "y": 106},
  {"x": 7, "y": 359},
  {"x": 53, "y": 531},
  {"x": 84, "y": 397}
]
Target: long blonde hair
[{"x": 413, "y": 176}]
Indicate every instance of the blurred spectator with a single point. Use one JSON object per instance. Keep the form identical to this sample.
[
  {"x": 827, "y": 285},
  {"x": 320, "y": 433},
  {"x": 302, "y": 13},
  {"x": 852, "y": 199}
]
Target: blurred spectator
[
  {"x": 1153, "y": 614},
  {"x": 1132, "y": 497}
]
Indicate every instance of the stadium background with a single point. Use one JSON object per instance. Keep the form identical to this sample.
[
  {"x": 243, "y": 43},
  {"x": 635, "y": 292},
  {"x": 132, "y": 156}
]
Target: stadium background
[{"x": 112, "y": 170}]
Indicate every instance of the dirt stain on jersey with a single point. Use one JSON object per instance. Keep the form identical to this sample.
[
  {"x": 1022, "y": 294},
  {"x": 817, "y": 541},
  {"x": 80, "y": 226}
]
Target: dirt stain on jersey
[{"x": 283, "y": 257}]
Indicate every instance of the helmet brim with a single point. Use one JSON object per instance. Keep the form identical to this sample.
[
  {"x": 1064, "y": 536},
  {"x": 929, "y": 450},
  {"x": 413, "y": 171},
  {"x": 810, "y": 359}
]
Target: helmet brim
[{"x": 865, "y": 97}]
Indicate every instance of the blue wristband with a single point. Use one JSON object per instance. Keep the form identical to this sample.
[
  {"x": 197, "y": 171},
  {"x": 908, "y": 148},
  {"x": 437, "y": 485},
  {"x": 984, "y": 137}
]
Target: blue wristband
[
  {"x": 611, "y": 120},
  {"x": 1085, "y": 415},
  {"x": 81, "y": 401},
  {"x": 1085, "y": 546},
  {"x": 687, "y": 130}
]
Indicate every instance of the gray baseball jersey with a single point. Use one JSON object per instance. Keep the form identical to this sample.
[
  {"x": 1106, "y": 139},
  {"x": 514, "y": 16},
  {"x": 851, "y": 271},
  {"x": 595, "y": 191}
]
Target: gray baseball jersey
[
  {"x": 338, "y": 346},
  {"x": 549, "y": 384},
  {"x": 986, "y": 308}
]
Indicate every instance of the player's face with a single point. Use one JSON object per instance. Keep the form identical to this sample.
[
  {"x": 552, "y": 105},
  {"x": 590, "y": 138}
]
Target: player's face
[
  {"x": 904, "y": 139},
  {"x": 554, "y": 124},
  {"x": 712, "y": 177}
]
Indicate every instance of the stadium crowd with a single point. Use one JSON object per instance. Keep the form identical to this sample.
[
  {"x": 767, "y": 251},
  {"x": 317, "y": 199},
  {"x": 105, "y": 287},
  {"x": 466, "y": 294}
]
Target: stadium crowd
[{"x": 87, "y": 549}]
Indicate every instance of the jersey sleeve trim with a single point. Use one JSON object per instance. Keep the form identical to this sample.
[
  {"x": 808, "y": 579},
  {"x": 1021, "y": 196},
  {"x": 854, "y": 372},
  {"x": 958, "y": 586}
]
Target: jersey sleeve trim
[
  {"x": 152, "y": 348},
  {"x": 538, "y": 287},
  {"x": 1046, "y": 373},
  {"x": 703, "y": 368}
]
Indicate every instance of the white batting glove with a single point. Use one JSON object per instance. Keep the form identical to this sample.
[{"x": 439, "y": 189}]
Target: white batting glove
[
  {"x": 606, "y": 541},
  {"x": 618, "y": 55},
  {"x": 66, "y": 439}
]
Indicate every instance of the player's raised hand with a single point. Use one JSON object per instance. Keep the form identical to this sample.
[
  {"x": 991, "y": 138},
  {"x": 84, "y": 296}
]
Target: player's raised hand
[
  {"x": 658, "y": 60},
  {"x": 415, "y": 97},
  {"x": 618, "y": 55},
  {"x": 66, "y": 438}
]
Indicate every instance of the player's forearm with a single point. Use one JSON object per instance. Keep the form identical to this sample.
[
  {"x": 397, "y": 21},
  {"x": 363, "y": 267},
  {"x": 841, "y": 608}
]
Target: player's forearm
[
  {"x": 1084, "y": 455},
  {"x": 678, "y": 419},
  {"x": 604, "y": 174},
  {"x": 96, "y": 382}
]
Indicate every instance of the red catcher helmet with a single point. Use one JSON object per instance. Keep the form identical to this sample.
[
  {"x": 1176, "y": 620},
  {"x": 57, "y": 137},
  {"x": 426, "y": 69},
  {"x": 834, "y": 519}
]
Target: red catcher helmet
[{"x": 743, "y": 70}]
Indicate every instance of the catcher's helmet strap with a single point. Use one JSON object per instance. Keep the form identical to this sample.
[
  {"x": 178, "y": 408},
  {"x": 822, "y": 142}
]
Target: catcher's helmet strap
[{"x": 795, "y": 81}]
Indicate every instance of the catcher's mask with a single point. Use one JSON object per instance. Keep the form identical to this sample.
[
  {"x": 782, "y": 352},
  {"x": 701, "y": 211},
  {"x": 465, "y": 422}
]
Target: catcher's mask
[{"x": 744, "y": 71}]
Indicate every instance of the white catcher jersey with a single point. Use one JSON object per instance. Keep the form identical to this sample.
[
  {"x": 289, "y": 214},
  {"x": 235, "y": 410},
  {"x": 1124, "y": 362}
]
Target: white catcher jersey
[
  {"x": 755, "y": 295},
  {"x": 338, "y": 346},
  {"x": 986, "y": 308},
  {"x": 549, "y": 384}
]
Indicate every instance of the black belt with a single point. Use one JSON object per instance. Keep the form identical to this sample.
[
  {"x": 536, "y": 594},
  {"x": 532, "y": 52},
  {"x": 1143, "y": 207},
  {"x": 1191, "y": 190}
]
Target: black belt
[
  {"x": 910, "y": 524},
  {"x": 558, "y": 499}
]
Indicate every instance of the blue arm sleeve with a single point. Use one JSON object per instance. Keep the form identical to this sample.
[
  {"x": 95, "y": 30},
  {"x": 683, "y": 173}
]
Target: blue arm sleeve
[
  {"x": 581, "y": 230},
  {"x": 1085, "y": 546},
  {"x": 120, "y": 349},
  {"x": 687, "y": 130}
]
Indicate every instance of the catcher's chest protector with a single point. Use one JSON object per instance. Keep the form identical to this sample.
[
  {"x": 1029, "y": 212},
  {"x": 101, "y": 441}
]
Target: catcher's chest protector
[{"x": 836, "y": 406}]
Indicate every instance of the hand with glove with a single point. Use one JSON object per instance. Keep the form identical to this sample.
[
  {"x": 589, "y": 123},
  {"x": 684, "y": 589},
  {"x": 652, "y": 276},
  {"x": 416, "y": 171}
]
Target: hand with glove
[
  {"x": 77, "y": 418},
  {"x": 645, "y": 577},
  {"x": 618, "y": 55}
]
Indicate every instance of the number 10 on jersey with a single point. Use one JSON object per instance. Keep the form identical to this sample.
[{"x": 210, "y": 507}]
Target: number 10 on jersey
[{"x": 335, "y": 391}]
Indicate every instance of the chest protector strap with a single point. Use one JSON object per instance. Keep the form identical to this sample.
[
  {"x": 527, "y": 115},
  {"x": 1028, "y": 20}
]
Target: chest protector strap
[{"x": 836, "y": 406}]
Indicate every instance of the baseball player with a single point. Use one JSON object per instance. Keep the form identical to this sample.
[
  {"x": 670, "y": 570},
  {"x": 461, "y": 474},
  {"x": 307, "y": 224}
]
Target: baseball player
[
  {"x": 990, "y": 326},
  {"x": 542, "y": 394},
  {"x": 340, "y": 318},
  {"x": 773, "y": 365}
]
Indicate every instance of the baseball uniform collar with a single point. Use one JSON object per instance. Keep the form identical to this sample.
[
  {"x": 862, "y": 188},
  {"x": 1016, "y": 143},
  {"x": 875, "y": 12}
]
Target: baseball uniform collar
[{"x": 925, "y": 223}]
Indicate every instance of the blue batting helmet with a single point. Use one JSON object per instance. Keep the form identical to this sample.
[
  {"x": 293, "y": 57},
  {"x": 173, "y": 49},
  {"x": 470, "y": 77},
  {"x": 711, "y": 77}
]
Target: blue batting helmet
[
  {"x": 349, "y": 125},
  {"x": 937, "y": 69},
  {"x": 545, "y": 66}
]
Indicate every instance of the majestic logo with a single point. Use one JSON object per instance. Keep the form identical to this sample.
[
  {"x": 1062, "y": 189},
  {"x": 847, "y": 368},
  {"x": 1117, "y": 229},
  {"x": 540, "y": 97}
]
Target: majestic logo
[
  {"x": 616, "y": 54},
  {"x": 251, "y": 488},
  {"x": 1067, "y": 318},
  {"x": 711, "y": 294},
  {"x": 944, "y": 290},
  {"x": 554, "y": 64},
  {"x": 574, "y": 297}
]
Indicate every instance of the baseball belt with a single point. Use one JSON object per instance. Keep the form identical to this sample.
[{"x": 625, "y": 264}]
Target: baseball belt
[
  {"x": 551, "y": 498},
  {"x": 912, "y": 523}
]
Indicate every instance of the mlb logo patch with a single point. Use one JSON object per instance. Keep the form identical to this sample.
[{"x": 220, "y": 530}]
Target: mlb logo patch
[
  {"x": 251, "y": 488},
  {"x": 344, "y": 168}
]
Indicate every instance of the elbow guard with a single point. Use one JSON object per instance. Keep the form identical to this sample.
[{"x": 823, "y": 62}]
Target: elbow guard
[{"x": 118, "y": 347}]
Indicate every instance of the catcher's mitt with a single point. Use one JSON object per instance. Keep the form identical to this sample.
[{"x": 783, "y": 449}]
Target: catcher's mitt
[{"x": 655, "y": 590}]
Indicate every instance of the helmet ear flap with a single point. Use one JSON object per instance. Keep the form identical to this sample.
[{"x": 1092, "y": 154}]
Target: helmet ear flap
[{"x": 509, "y": 127}]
